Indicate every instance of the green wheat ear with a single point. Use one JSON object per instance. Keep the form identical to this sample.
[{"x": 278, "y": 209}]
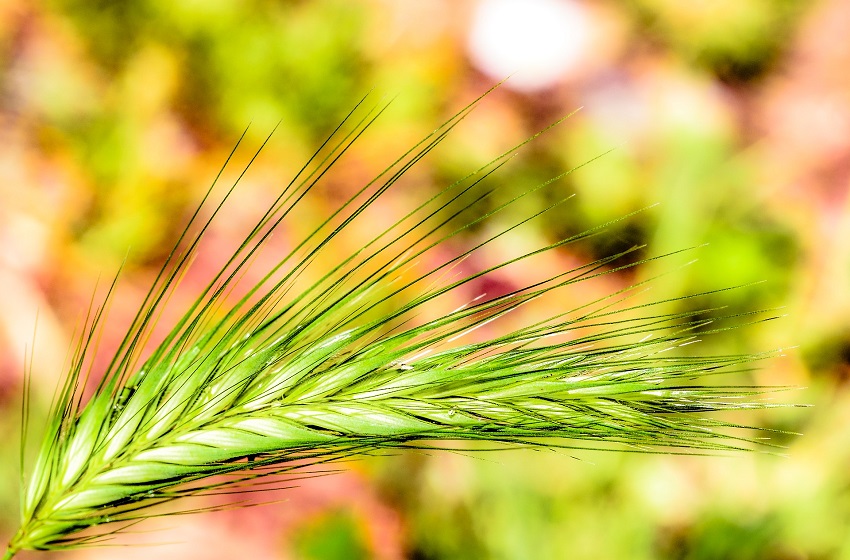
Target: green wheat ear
[{"x": 297, "y": 373}]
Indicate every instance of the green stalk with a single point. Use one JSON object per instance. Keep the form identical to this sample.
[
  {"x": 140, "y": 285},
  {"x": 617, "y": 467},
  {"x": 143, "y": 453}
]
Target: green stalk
[{"x": 296, "y": 374}]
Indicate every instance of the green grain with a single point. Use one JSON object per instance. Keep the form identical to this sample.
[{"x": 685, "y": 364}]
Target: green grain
[{"x": 353, "y": 363}]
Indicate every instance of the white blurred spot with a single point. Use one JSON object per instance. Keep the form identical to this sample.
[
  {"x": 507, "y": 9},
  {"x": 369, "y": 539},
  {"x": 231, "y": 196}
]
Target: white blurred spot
[{"x": 536, "y": 42}]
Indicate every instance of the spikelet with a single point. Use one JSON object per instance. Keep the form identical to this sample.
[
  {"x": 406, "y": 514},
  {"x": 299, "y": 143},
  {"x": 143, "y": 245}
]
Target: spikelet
[{"x": 291, "y": 375}]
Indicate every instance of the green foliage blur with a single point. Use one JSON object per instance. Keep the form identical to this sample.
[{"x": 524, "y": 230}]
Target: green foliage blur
[{"x": 732, "y": 116}]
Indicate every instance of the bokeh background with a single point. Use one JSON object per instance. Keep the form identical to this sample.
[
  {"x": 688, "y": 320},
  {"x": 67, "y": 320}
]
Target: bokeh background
[{"x": 733, "y": 115}]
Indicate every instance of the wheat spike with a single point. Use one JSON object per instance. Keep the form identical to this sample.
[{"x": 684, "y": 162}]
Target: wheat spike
[{"x": 291, "y": 375}]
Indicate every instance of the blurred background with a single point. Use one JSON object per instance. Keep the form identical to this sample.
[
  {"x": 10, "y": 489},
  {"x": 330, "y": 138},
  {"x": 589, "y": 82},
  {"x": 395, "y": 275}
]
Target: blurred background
[{"x": 733, "y": 115}]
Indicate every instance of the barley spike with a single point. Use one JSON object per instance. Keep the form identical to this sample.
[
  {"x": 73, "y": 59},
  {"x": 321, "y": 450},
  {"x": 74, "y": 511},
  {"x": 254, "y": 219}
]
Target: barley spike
[{"x": 363, "y": 358}]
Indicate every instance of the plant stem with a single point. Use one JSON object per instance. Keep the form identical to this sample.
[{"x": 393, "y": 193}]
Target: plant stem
[{"x": 9, "y": 554}]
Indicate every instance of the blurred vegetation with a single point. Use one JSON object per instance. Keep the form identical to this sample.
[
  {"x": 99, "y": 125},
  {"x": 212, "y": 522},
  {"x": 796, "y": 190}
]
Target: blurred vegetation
[{"x": 114, "y": 117}]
